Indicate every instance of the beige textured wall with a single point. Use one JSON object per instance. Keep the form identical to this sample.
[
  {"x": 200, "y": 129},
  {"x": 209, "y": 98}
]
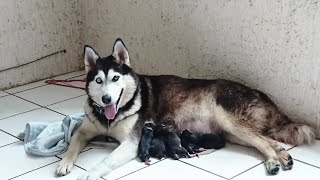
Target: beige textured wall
[
  {"x": 32, "y": 29},
  {"x": 270, "y": 45}
]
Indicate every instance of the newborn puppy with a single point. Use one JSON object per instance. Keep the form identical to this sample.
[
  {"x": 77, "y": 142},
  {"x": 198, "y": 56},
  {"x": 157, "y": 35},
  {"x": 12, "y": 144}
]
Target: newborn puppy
[
  {"x": 211, "y": 141},
  {"x": 194, "y": 142},
  {"x": 189, "y": 141},
  {"x": 157, "y": 149},
  {"x": 172, "y": 142},
  {"x": 145, "y": 143}
]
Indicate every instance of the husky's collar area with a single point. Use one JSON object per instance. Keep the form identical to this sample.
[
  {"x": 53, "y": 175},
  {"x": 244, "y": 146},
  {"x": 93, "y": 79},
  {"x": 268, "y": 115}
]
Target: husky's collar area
[
  {"x": 98, "y": 112},
  {"x": 99, "y": 109}
]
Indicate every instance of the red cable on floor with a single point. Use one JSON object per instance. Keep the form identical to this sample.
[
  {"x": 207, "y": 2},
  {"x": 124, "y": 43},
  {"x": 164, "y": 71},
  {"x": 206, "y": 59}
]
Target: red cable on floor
[{"x": 64, "y": 83}]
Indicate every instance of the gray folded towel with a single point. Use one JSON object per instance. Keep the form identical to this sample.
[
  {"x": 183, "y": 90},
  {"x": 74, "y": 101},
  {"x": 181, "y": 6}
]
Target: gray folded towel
[{"x": 49, "y": 139}]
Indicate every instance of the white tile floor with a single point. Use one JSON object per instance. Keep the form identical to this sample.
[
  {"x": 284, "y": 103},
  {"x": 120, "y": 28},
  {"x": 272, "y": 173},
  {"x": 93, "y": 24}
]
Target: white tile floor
[{"x": 47, "y": 103}]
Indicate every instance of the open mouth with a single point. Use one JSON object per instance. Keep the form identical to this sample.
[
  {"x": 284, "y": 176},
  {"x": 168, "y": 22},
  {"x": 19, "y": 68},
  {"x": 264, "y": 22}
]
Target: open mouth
[{"x": 111, "y": 110}]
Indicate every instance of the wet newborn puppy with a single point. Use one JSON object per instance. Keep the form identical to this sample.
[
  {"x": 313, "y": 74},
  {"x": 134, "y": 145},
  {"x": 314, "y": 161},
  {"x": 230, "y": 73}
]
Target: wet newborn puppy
[
  {"x": 211, "y": 141},
  {"x": 194, "y": 142},
  {"x": 157, "y": 148},
  {"x": 172, "y": 142},
  {"x": 151, "y": 143},
  {"x": 189, "y": 141},
  {"x": 145, "y": 143}
]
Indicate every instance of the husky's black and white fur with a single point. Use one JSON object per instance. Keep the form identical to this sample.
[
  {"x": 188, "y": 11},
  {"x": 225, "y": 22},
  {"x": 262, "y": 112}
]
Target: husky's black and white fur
[{"x": 120, "y": 101}]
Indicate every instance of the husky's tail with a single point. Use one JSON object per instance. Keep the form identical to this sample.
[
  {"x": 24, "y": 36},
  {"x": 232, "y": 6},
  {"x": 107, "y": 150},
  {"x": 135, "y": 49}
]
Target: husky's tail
[{"x": 290, "y": 132}]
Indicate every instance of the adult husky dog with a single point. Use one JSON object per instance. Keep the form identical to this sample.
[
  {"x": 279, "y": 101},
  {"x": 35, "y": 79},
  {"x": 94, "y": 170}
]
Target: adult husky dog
[{"x": 120, "y": 101}]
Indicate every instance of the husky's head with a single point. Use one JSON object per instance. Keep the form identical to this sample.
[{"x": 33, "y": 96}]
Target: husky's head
[{"x": 110, "y": 80}]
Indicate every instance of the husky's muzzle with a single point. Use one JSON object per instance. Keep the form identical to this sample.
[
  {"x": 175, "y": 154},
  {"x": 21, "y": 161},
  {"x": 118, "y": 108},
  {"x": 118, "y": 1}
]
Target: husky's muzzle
[{"x": 111, "y": 110}]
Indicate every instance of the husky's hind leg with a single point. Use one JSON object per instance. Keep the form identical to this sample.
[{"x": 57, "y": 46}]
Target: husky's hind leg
[
  {"x": 247, "y": 133},
  {"x": 283, "y": 155},
  {"x": 254, "y": 139}
]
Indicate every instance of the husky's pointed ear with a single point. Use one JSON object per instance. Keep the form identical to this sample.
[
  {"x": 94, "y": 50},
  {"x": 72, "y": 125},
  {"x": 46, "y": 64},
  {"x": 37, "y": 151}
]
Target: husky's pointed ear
[
  {"x": 90, "y": 57},
  {"x": 120, "y": 52}
]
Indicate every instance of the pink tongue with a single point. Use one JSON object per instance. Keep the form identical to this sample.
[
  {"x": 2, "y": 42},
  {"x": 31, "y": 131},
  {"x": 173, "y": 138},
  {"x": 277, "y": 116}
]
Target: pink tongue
[{"x": 110, "y": 111}]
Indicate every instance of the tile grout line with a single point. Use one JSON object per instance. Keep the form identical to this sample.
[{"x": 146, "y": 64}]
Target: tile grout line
[
  {"x": 85, "y": 150},
  {"x": 11, "y": 135},
  {"x": 54, "y": 111},
  {"x": 27, "y": 112},
  {"x": 203, "y": 169},
  {"x": 79, "y": 167},
  {"x": 4, "y": 96},
  {"x": 48, "y": 108},
  {"x": 65, "y": 100},
  {"x": 306, "y": 163},
  {"x": 140, "y": 169},
  {"x": 41, "y": 85},
  {"x": 26, "y": 100},
  {"x": 41, "y": 106},
  {"x": 79, "y": 153},
  {"x": 32, "y": 102},
  {"x": 246, "y": 170},
  {"x": 27, "y": 89},
  {"x": 33, "y": 170},
  {"x": 9, "y": 144},
  {"x": 291, "y": 148},
  {"x": 58, "y": 157},
  {"x": 20, "y": 113},
  {"x": 72, "y": 76}
]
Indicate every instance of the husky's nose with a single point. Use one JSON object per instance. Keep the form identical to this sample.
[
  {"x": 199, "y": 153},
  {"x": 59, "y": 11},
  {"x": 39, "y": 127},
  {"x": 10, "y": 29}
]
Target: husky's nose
[{"x": 106, "y": 99}]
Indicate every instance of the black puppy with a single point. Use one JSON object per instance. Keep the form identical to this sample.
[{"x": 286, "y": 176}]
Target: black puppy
[
  {"x": 151, "y": 143},
  {"x": 211, "y": 141},
  {"x": 145, "y": 143},
  {"x": 157, "y": 149},
  {"x": 160, "y": 141},
  {"x": 193, "y": 142},
  {"x": 171, "y": 141},
  {"x": 189, "y": 141}
]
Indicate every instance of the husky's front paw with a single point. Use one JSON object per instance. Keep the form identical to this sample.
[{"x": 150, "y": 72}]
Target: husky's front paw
[
  {"x": 272, "y": 166},
  {"x": 64, "y": 167},
  {"x": 88, "y": 176},
  {"x": 286, "y": 160}
]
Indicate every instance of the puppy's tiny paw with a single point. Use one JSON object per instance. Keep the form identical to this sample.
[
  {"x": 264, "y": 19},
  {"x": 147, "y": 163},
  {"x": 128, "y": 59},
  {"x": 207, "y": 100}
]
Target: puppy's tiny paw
[{"x": 64, "y": 167}]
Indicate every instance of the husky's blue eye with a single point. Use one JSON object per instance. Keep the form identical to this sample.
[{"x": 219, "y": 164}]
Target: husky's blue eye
[
  {"x": 115, "y": 78},
  {"x": 99, "y": 80}
]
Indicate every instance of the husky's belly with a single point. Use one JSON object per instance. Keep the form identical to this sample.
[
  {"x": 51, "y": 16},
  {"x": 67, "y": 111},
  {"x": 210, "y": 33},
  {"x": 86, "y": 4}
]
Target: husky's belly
[
  {"x": 196, "y": 117},
  {"x": 198, "y": 126},
  {"x": 188, "y": 102}
]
